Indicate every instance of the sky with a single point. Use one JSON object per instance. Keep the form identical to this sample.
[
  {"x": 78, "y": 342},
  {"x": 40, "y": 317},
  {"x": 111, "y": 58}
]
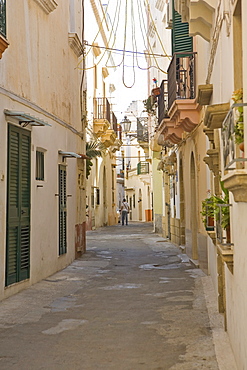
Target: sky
[{"x": 129, "y": 78}]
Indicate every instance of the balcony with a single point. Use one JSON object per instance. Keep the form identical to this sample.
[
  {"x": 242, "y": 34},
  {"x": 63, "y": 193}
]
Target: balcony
[
  {"x": 142, "y": 168},
  {"x": 3, "y": 42},
  {"x": 116, "y": 126},
  {"x": 181, "y": 77},
  {"x": 163, "y": 101},
  {"x": 101, "y": 115},
  {"x": 235, "y": 178},
  {"x": 182, "y": 112},
  {"x": 142, "y": 132}
]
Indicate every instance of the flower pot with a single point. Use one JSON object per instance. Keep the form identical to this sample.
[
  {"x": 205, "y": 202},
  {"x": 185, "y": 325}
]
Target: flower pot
[
  {"x": 156, "y": 91},
  {"x": 210, "y": 223},
  {"x": 228, "y": 234},
  {"x": 241, "y": 146}
]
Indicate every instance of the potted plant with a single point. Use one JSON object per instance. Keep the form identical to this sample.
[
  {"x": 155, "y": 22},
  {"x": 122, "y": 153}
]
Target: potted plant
[
  {"x": 156, "y": 90},
  {"x": 213, "y": 209},
  {"x": 208, "y": 211},
  {"x": 237, "y": 98},
  {"x": 150, "y": 105}
]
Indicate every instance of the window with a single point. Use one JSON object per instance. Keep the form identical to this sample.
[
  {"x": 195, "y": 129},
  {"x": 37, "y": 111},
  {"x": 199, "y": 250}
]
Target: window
[
  {"x": 134, "y": 200},
  {"x": 97, "y": 196},
  {"x": 40, "y": 170},
  {"x": 92, "y": 197},
  {"x": 3, "y": 17}
]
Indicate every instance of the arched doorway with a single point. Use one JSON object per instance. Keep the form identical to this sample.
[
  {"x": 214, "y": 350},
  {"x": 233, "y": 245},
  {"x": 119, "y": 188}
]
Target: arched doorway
[{"x": 193, "y": 208}]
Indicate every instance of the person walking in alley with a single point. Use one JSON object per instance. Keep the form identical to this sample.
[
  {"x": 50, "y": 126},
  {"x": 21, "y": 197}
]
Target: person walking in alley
[{"x": 124, "y": 212}]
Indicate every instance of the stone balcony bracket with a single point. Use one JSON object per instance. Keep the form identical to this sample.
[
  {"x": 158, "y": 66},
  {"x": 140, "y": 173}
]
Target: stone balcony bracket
[
  {"x": 154, "y": 145},
  {"x": 108, "y": 138},
  {"x": 116, "y": 145},
  {"x": 100, "y": 126},
  {"x": 236, "y": 182},
  {"x": 226, "y": 254},
  {"x": 215, "y": 115},
  {"x": 3, "y": 45},
  {"x": 212, "y": 160},
  {"x": 204, "y": 94},
  {"x": 210, "y": 134},
  {"x": 185, "y": 113}
]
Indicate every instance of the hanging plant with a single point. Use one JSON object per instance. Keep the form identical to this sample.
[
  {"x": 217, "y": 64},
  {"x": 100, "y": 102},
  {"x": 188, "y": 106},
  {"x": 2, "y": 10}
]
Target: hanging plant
[{"x": 150, "y": 105}]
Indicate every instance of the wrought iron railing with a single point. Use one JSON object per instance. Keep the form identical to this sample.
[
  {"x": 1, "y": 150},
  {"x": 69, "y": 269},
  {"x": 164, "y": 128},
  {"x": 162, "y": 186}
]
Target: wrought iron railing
[
  {"x": 102, "y": 109},
  {"x": 142, "y": 129},
  {"x": 231, "y": 152},
  {"x": 3, "y": 17},
  {"x": 142, "y": 167},
  {"x": 163, "y": 101},
  {"x": 181, "y": 77},
  {"x": 223, "y": 234}
]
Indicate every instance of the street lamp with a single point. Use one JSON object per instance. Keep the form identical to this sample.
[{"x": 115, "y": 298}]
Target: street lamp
[{"x": 126, "y": 123}]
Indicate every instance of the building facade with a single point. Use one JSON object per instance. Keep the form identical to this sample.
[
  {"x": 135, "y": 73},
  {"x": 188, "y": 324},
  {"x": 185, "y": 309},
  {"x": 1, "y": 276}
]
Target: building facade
[
  {"x": 42, "y": 201},
  {"x": 202, "y": 134},
  {"x": 102, "y": 126}
]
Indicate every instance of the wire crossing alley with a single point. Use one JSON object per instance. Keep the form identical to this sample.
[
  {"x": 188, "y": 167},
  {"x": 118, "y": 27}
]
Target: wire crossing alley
[{"x": 131, "y": 302}]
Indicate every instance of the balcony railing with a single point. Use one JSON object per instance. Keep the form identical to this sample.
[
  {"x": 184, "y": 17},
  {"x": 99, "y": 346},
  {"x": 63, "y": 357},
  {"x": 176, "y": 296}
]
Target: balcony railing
[
  {"x": 142, "y": 168},
  {"x": 102, "y": 109},
  {"x": 142, "y": 129},
  {"x": 115, "y": 126},
  {"x": 163, "y": 101},
  {"x": 3, "y": 17},
  {"x": 231, "y": 152},
  {"x": 181, "y": 77}
]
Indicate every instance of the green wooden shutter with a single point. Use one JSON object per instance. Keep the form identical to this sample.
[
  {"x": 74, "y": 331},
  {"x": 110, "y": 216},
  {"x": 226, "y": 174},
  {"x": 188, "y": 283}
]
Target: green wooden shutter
[
  {"x": 62, "y": 210},
  {"x": 25, "y": 207},
  {"x": 18, "y": 206},
  {"x": 181, "y": 41}
]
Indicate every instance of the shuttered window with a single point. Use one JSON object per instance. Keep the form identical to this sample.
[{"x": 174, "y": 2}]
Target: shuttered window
[
  {"x": 18, "y": 206},
  {"x": 40, "y": 171},
  {"x": 62, "y": 210},
  {"x": 181, "y": 41}
]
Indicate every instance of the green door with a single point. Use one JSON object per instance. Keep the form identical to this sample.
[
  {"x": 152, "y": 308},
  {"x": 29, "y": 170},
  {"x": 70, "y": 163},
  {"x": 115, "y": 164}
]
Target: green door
[
  {"x": 18, "y": 206},
  {"x": 62, "y": 210}
]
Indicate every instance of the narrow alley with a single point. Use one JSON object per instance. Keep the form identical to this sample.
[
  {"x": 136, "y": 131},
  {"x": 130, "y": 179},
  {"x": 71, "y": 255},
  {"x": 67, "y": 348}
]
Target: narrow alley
[{"x": 133, "y": 301}]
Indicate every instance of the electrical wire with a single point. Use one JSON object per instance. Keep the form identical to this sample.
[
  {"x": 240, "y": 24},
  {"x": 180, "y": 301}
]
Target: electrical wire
[
  {"x": 149, "y": 44},
  {"x": 135, "y": 53}
]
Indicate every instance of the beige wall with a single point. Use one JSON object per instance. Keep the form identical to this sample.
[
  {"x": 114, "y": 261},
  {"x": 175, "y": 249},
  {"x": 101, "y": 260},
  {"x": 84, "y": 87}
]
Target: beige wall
[{"x": 39, "y": 77}]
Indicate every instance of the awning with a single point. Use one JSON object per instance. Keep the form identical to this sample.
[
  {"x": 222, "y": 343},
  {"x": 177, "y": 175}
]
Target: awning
[
  {"x": 69, "y": 154},
  {"x": 25, "y": 119}
]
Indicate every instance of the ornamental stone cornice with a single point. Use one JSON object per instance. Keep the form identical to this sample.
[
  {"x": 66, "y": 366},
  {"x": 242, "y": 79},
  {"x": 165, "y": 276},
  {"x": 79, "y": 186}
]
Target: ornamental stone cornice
[{"x": 75, "y": 43}]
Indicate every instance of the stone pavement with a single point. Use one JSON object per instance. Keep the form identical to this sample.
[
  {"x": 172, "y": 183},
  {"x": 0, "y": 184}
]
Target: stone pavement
[{"x": 131, "y": 302}]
